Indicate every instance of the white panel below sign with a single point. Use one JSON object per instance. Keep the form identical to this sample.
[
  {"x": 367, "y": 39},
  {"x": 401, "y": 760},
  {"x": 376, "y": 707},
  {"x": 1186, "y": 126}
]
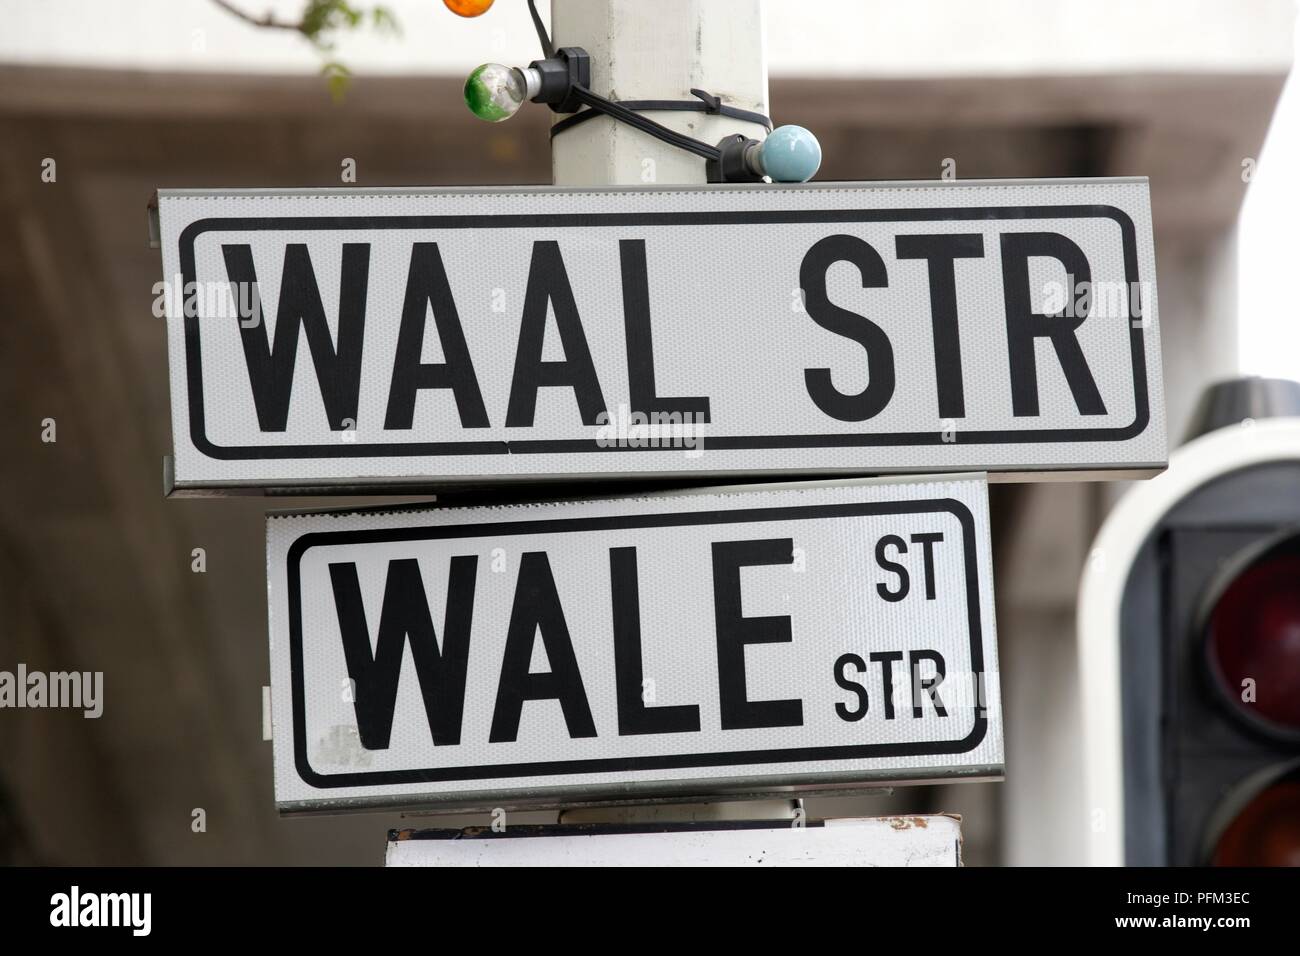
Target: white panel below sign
[
  {"x": 742, "y": 640},
  {"x": 869, "y": 841},
  {"x": 435, "y": 337}
]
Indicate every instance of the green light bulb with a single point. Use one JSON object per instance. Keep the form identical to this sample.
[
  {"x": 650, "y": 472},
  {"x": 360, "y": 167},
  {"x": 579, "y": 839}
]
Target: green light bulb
[{"x": 494, "y": 92}]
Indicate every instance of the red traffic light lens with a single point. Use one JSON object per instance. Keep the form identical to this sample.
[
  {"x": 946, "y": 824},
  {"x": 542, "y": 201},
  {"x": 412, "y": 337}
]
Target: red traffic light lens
[
  {"x": 1266, "y": 832},
  {"x": 1254, "y": 642}
]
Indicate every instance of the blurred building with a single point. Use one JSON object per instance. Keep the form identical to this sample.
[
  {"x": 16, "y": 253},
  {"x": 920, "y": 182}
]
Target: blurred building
[{"x": 95, "y": 567}]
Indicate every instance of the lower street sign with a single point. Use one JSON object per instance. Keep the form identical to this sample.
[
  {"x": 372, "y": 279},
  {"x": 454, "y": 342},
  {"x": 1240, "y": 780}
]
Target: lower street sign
[
  {"x": 419, "y": 338},
  {"x": 870, "y": 841},
  {"x": 694, "y": 644}
]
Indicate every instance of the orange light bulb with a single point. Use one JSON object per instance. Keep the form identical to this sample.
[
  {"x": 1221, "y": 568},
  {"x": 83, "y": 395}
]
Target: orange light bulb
[{"x": 468, "y": 8}]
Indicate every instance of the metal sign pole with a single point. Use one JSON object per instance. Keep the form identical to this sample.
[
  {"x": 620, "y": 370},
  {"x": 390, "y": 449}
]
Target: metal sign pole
[{"x": 660, "y": 51}]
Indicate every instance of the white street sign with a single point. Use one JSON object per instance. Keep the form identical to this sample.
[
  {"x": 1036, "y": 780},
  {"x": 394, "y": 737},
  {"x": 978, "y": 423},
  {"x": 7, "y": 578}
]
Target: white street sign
[
  {"x": 693, "y": 644},
  {"x": 868, "y": 841},
  {"x": 433, "y": 337}
]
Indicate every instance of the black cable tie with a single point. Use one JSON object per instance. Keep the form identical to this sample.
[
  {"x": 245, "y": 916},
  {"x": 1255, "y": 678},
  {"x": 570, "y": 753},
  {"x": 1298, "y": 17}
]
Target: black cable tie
[
  {"x": 634, "y": 119},
  {"x": 712, "y": 103},
  {"x": 707, "y": 103}
]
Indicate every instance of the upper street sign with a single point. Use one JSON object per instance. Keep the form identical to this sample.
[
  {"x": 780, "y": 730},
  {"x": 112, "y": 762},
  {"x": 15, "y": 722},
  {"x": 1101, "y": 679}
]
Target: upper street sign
[
  {"x": 735, "y": 640},
  {"x": 366, "y": 339}
]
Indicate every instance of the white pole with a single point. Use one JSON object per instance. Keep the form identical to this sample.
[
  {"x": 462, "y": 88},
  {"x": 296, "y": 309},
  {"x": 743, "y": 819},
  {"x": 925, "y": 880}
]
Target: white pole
[{"x": 660, "y": 50}]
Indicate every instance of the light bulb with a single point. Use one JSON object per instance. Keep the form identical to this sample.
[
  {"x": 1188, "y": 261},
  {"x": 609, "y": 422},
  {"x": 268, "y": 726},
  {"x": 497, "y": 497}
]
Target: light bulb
[
  {"x": 790, "y": 154},
  {"x": 494, "y": 92},
  {"x": 468, "y": 8}
]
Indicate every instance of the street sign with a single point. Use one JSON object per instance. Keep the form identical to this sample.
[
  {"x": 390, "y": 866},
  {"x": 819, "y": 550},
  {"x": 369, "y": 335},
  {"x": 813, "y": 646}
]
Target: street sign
[
  {"x": 422, "y": 338},
  {"x": 933, "y": 840},
  {"x": 685, "y": 645}
]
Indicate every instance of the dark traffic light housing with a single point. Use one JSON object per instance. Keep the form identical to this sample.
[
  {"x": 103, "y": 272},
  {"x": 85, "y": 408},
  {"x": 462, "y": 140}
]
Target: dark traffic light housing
[{"x": 1209, "y": 658}]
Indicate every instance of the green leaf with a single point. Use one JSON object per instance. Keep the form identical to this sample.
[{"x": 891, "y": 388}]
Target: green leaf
[
  {"x": 385, "y": 22},
  {"x": 338, "y": 77}
]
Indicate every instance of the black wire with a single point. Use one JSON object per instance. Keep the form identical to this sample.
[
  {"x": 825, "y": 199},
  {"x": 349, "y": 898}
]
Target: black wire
[
  {"x": 644, "y": 123},
  {"x": 704, "y": 103},
  {"x": 548, "y": 49},
  {"x": 599, "y": 103}
]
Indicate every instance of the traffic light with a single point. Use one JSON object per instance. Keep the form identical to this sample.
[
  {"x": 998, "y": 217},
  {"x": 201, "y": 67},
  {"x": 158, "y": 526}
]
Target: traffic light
[{"x": 1189, "y": 645}]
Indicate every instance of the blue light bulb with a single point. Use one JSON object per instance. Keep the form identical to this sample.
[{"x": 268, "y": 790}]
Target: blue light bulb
[{"x": 790, "y": 154}]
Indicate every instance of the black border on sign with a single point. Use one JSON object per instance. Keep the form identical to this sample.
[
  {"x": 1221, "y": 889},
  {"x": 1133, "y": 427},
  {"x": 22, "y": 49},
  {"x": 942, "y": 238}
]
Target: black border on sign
[
  {"x": 314, "y": 539},
  {"x": 194, "y": 370}
]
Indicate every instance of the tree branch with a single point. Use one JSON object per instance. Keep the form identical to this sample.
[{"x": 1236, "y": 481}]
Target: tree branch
[{"x": 266, "y": 20}]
